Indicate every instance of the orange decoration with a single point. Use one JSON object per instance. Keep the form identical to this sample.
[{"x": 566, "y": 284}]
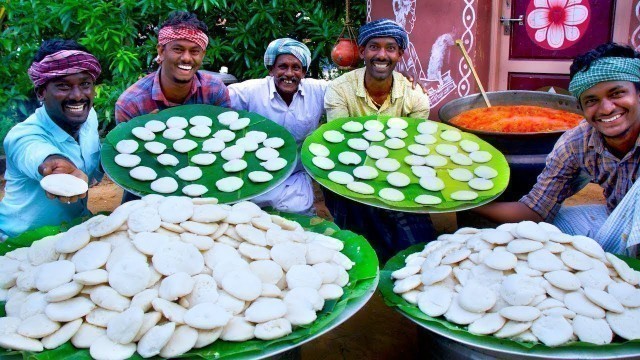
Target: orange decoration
[
  {"x": 345, "y": 53},
  {"x": 516, "y": 119}
]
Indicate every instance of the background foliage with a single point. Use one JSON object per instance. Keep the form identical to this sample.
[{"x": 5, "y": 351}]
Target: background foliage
[{"x": 123, "y": 35}]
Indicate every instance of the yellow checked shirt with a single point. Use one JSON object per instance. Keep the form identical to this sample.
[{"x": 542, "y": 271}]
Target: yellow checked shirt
[{"x": 346, "y": 96}]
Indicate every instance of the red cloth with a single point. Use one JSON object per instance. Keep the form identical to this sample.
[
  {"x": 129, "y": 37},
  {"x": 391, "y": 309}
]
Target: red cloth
[
  {"x": 172, "y": 33},
  {"x": 63, "y": 63}
]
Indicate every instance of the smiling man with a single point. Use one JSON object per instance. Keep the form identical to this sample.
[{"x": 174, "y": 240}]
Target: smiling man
[
  {"x": 60, "y": 137},
  {"x": 182, "y": 44},
  {"x": 603, "y": 149},
  {"x": 292, "y": 101},
  {"x": 378, "y": 89}
]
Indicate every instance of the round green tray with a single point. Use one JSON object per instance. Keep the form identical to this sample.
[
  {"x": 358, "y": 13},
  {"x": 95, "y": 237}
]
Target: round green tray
[
  {"x": 210, "y": 173},
  {"x": 363, "y": 278},
  {"x": 498, "y": 162},
  {"x": 500, "y": 348}
]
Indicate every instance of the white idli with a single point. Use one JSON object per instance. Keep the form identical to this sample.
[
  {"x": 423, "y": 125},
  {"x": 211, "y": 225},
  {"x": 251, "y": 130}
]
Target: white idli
[
  {"x": 64, "y": 185},
  {"x": 373, "y": 125},
  {"x": 177, "y": 122},
  {"x": 127, "y": 146},
  {"x": 360, "y": 188},
  {"x": 173, "y": 134},
  {"x": 340, "y": 177},
  {"x": 189, "y": 173},
  {"x": 127, "y": 160},
  {"x": 226, "y": 118},
  {"x": 229, "y": 184},
  {"x": 391, "y": 194},
  {"x": 319, "y": 150},
  {"x": 164, "y": 185},
  {"x": 143, "y": 133},
  {"x": 203, "y": 159},
  {"x": 352, "y": 126},
  {"x": 167, "y": 160},
  {"x": 155, "y": 125},
  {"x": 213, "y": 145},
  {"x": 377, "y": 152},
  {"x": 143, "y": 173},
  {"x": 274, "y": 142},
  {"x": 194, "y": 190},
  {"x": 398, "y": 179},
  {"x": 155, "y": 147},
  {"x": 260, "y": 176},
  {"x": 225, "y": 135},
  {"x": 333, "y": 136},
  {"x": 184, "y": 145},
  {"x": 201, "y": 120},
  {"x": 200, "y": 131},
  {"x": 349, "y": 158},
  {"x": 358, "y": 144}
]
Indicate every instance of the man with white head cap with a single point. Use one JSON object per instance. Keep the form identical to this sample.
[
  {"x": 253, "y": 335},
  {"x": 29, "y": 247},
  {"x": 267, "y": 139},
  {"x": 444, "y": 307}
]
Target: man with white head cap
[
  {"x": 291, "y": 100},
  {"x": 182, "y": 44},
  {"x": 603, "y": 149},
  {"x": 61, "y": 137}
]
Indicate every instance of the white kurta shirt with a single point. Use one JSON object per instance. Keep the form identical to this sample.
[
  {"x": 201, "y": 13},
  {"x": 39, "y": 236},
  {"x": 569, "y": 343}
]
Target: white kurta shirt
[{"x": 300, "y": 118}]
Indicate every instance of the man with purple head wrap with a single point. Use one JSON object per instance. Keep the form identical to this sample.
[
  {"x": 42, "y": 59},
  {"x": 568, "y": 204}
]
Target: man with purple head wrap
[{"x": 60, "y": 137}]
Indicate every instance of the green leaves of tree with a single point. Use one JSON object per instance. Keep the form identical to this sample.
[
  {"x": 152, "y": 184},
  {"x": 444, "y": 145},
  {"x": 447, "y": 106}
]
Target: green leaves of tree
[{"x": 123, "y": 35}]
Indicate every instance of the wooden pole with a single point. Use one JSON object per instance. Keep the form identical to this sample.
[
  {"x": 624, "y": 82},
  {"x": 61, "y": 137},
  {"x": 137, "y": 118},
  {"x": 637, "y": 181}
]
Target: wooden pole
[{"x": 473, "y": 71}]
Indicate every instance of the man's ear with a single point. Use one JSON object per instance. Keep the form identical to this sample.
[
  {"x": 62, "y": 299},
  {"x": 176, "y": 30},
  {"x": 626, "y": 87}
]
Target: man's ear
[
  {"x": 40, "y": 92},
  {"x": 160, "y": 49},
  {"x": 361, "y": 50}
]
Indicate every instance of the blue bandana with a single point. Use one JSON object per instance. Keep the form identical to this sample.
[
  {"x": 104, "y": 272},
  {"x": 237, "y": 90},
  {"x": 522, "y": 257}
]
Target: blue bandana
[
  {"x": 383, "y": 28},
  {"x": 605, "y": 69},
  {"x": 287, "y": 46}
]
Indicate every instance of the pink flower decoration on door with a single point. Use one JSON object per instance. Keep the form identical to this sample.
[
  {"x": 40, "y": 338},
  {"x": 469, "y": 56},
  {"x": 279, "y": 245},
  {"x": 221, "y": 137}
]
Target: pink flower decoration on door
[{"x": 557, "y": 24}]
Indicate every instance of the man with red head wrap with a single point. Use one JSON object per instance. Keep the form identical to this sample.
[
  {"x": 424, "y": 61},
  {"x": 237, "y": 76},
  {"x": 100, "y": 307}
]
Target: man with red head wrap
[
  {"x": 60, "y": 137},
  {"x": 182, "y": 43}
]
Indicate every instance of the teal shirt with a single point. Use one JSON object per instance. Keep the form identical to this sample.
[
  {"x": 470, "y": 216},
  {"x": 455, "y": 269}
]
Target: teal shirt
[{"x": 25, "y": 205}]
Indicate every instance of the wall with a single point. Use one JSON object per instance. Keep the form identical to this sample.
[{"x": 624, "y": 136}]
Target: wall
[
  {"x": 432, "y": 55},
  {"x": 634, "y": 30}
]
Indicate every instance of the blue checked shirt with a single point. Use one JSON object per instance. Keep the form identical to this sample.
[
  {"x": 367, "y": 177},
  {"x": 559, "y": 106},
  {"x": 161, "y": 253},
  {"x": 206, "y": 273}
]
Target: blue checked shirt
[{"x": 579, "y": 157}]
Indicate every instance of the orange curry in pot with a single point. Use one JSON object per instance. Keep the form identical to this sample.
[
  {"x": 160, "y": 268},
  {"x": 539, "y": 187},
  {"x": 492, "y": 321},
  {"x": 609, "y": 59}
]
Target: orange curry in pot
[{"x": 516, "y": 119}]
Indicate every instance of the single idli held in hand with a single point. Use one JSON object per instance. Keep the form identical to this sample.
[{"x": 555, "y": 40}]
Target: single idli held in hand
[{"x": 65, "y": 185}]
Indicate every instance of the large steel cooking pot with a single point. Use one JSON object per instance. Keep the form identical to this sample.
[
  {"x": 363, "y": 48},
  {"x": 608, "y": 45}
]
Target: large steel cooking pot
[
  {"x": 525, "y": 152},
  {"x": 513, "y": 143}
]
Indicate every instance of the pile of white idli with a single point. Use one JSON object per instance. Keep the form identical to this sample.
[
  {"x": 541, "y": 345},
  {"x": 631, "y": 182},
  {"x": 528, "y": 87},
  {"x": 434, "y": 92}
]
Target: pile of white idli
[
  {"x": 201, "y": 154},
  {"x": 428, "y": 154},
  {"x": 161, "y": 276},
  {"x": 528, "y": 282}
]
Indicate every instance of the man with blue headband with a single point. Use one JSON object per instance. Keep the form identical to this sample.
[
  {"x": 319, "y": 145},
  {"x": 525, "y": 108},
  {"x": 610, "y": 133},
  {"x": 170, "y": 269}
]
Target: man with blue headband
[
  {"x": 378, "y": 89},
  {"x": 291, "y": 100},
  {"x": 603, "y": 149}
]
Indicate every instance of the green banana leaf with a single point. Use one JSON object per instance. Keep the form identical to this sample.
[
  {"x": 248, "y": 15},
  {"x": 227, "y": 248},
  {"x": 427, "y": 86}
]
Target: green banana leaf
[
  {"x": 498, "y": 162},
  {"x": 210, "y": 173},
  {"x": 362, "y": 278},
  {"x": 461, "y": 334}
]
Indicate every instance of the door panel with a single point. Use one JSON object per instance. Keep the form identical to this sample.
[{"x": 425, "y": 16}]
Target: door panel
[
  {"x": 541, "y": 82},
  {"x": 559, "y": 29}
]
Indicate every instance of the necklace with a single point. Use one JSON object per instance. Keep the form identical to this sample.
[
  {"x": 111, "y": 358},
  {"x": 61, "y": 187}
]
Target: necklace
[{"x": 375, "y": 103}]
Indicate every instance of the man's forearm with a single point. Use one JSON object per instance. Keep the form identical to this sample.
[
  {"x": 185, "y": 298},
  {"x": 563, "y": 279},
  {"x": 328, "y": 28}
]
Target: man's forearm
[{"x": 506, "y": 212}]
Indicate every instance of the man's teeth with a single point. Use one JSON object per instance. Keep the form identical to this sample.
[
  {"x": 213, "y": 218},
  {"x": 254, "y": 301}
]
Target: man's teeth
[
  {"x": 185, "y": 67},
  {"x": 611, "y": 119},
  {"x": 75, "y": 108},
  {"x": 381, "y": 66},
  {"x": 287, "y": 81}
]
